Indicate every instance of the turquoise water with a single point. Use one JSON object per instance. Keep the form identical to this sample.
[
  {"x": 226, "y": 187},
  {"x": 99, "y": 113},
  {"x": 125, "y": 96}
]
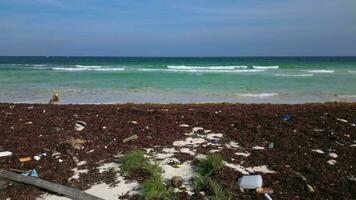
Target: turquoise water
[{"x": 178, "y": 80}]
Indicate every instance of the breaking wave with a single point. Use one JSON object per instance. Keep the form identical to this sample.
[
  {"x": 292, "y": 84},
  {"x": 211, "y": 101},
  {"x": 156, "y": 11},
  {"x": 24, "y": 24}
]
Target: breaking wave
[
  {"x": 90, "y": 68},
  {"x": 203, "y": 70},
  {"x": 294, "y": 75},
  {"x": 320, "y": 71},
  {"x": 265, "y": 67},
  {"x": 206, "y": 67}
]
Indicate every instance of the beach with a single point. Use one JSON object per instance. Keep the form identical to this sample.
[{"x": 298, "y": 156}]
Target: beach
[{"x": 302, "y": 151}]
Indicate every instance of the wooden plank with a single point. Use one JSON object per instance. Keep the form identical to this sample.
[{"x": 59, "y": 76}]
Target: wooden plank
[{"x": 54, "y": 187}]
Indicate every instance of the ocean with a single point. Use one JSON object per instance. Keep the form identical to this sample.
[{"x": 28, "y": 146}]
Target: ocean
[{"x": 96, "y": 80}]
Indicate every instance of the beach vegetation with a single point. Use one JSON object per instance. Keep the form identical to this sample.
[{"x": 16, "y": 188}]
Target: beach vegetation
[
  {"x": 155, "y": 188},
  {"x": 209, "y": 165}
]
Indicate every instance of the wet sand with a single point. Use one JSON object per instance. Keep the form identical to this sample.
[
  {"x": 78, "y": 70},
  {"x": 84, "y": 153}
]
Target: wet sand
[{"x": 303, "y": 153}]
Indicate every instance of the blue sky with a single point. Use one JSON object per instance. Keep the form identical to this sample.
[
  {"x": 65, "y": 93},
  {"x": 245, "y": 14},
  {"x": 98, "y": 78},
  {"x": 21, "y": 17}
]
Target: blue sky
[{"x": 178, "y": 28}]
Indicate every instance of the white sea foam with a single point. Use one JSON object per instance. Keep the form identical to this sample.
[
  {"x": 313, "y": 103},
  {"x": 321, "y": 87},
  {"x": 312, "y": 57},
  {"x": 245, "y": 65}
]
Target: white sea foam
[
  {"x": 90, "y": 68},
  {"x": 352, "y": 72},
  {"x": 320, "y": 71},
  {"x": 265, "y": 67},
  {"x": 203, "y": 70},
  {"x": 259, "y": 95},
  {"x": 206, "y": 67},
  {"x": 294, "y": 75}
]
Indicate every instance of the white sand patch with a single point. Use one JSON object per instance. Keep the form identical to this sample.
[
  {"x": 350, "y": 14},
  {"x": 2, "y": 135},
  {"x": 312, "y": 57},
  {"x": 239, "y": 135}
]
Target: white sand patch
[
  {"x": 214, "y": 136},
  {"x": 189, "y": 141},
  {"x": 262, "y": 169},
  {"x": 258, "y": 148},
  {"x": 207, "y": 131},
  {"x": 232, "y": 145},
  {"x": 214, "y": 150},
  {"x": 77, "y": 173},
  {"x": 195, "y": 129},
  {"x": 236, "y": 167},
  {"x": 108, "y": 166},
  {"x": 242, "y": 154},
  {"x": 187, "y": 150},
  {"x": 184, "y": 125},
  {"x": 149, "y": 150},
  {"x": 82, "y": 163},
  {"x": 318, "y": 151},
  {"x": 162, "y": 156},
  {"x": 200, "y": 156},
  {"x": 169, "y": 150},
  {"x": 184, "y": 170}
]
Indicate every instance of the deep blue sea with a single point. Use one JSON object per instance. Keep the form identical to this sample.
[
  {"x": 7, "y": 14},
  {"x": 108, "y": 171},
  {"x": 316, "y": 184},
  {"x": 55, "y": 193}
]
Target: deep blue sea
[{"x": 178, "y": 80}]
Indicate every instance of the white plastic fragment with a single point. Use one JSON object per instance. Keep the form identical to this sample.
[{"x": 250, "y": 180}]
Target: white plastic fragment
[
  {"x": 331, "y": 162},
  {"x": 333, "y": 155},
  {"x": 5, "y": 153},
  {"x": 250, "y": 181}
]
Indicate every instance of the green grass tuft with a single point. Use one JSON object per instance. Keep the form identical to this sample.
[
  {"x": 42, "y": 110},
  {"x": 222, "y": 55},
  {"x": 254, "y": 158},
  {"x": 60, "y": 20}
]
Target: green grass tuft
[
  {"x": 154, "y": 188},
  {"x": 209, "y": 165},
  {"x": 132, "y": 162}
]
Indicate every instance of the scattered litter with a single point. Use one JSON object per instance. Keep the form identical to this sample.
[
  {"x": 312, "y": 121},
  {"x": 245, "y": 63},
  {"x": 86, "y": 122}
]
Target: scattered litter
[
  {"x": 318, "y": 130},
  {"x": 214, "y": 136},
  {"x": 232, "y": 145},
  {"x": 76, "y": 143},
  {"x": 28, "y": 123},
  {"x": 263, "y": 190},
  {"x": 189, "y": 141},
  {"x": 5, "y": 154},
  {"x": 195, "y": 129},
  {"x": 177, "y": 181},
  {"x": 271, "y": 145},
  {"x": 310, "y": 188},
  {"x": 81, "y": 163},
  {"x": 286, "y": 118},
  {"x": 258, "y": 148},
  {"x": 341, "y": 120},
  {"x": 333, "y": 155},
  {"x": 25, "y": 159},
  {"x": 133, "y": 122},
  {"x": 267, "y": 197},
  {"x": 37, "y": 158},
  {"x": 187, "y": 150},
  {"x": 60, "y": 160},
  {"x": 250, "y": 182},
  {"x": 318, "y": 151},
  {"x": 184, "y": 125},
  {"x": 80, "y": 125},
  {"x": 32, "y": 173},
  {"x": 331, "y": 162},
  {"x": 214, "y": 150},
  {"x": 131, "y": 138}
]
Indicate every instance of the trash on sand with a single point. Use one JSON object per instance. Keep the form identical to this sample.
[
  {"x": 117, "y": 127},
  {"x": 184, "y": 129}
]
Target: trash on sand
[
  {"x": 37, "y": 158},
  {"x": 177, "y": 181},
  {"x": 271, "y": 145},
  {"x": 267, "y": 196},
  {"x": 133, "y": 137},
  {"x": 333, "y": 155},
  {"x": 25, "y": 159},
  {"x": 5, "y": 153},
  {"x": 331, "y": 162},
  {"x": 80, "y": 125},
  {"x": 54, "y": 99},
  {"x": 32, "y": 173},
  {"x": 76, "y": 143},
  {"x": 263, "y": 190},
  {"x": 250, "y": 181},
  {"x": 310, "y": 188},
  {"x": 286, "y": 118}
]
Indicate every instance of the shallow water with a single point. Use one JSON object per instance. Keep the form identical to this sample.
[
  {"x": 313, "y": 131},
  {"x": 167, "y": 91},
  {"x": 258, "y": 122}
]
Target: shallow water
[{"x": 178, "y": 80}]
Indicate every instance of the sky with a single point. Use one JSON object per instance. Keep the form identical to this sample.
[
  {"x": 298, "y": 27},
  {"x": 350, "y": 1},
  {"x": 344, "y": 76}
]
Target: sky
[{"x": 177, "y": 28}]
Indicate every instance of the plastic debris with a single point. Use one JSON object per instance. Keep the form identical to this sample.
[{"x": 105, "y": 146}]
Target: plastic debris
[
  {"x": 250, "y": 181},
  {"x": 133, "y": 137},
  {"x": 333, "y": 155},
  {"x": 267, "y": 197},
  {"x": 271, "y": 145},
  {"x": 37, "y": 158},
  {"x": 76, "y": 143},
  {"x": 264, "y": 190},
  {"x": 310, "y": 188},
  {"x": 80, "y": 125},
  {"x": 331, "y": 162},
  {"x": 286, "y": 118},
  {"x": 32, "y": 173},
  {"x": 25, "y": 159},
  {"x": 5, "y": 153}
]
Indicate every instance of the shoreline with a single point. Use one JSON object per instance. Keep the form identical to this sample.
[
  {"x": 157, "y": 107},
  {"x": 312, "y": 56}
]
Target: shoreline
[{"x": 30, "y": 129}]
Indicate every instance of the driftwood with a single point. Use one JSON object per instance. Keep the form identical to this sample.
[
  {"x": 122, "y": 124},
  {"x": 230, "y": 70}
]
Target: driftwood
[{"x": 57, "y": 188}]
